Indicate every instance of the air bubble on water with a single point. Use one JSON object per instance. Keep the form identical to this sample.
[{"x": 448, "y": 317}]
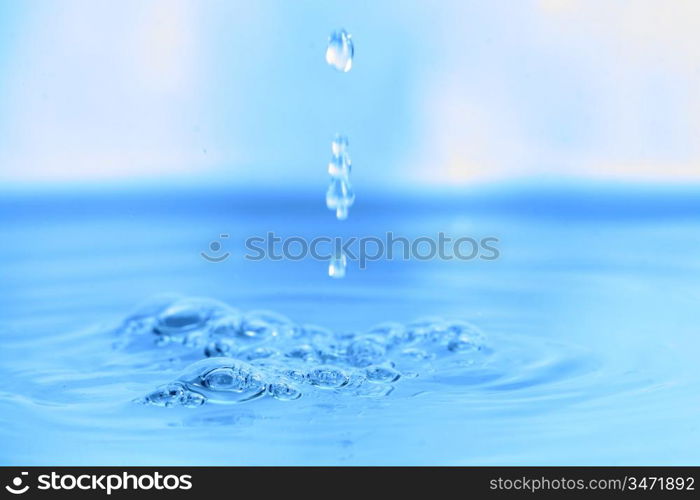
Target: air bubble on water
[
  {"x": 295, "y": 374},
  {"x": 193, "y": 399},
  {"x": 365, "y": 352},
  {"x": 166, "y": 395},
  {"x": 337, "y": 266},
  {"x": 143, "y": 318},
  {"x": 283, "y": 390},
  {"x": 331, "y": 351},
  {"x": 260, "y": 353},
  {"x": 382, "y": 374},
  {"x": 425, "y": 329},
  {"x": 265, "y": 354},
  {"x": 227, "y": 380},
  {"x": 226, "y": 326},
  {"x": 315, "y": 333},
  {"x": 221, "y": 347},
  {"x": 463, "y": 343},
  {"x": 327, "y": 377},
  {"x": 418, "y": 354},
  {"x": 173, "y": 394},
  {"x": 463, "y": 336},
  {"x": 392, "y": 333},
  {"x": 340, "y": 51},
  {"x": 304, "y": 352},
  {"x": 263, "y": 325},
  {"x": 186, "y": 317}
]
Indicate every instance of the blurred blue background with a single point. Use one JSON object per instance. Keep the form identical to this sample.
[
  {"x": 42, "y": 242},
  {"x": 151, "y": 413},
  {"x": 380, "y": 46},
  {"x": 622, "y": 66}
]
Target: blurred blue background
[
  {"x": 449, "y": 93},
  {"x": 134, "y": 133}
]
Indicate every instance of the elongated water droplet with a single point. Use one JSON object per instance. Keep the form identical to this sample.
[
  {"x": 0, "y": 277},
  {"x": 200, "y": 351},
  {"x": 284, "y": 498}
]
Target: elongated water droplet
[
  {"x": 340, "y": 196},
  {"x": 336, "y": 267},
  {"x": 339, "y": 145},
  {"x": 340, "y": 165},
  {"x": 340, "y": 51}
]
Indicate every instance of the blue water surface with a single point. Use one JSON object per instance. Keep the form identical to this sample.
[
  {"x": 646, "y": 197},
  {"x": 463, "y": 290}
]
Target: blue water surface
[{"x": 589, "y": 316}]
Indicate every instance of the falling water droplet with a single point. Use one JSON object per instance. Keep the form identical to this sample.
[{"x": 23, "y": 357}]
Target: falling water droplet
[
  {"x": 340, "y": 165},
  {"x": 336, "y": 267},
  {"x": 340, "y": 196},
  {"x": 339, "y": 145},
  {"x": 341, "y": 213},
  {"x": 340, "y": 51}
]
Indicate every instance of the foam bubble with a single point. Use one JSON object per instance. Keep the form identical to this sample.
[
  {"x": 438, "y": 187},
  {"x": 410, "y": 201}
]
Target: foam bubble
[{"x": 262, "y": 353}]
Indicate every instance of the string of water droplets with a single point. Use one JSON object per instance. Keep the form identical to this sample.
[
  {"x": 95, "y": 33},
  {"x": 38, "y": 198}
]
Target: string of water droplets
[{"x": 340, "y": 195}]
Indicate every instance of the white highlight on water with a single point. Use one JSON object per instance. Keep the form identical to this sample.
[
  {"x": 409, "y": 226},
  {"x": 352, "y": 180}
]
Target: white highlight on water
[{"x": 340, "y": 51}]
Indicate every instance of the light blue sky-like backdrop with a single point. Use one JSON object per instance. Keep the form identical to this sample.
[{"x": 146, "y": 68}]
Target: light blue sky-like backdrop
[{"x": 447, "y": 93}]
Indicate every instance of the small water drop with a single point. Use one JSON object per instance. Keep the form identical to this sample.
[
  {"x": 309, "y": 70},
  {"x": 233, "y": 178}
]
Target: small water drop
[
  {"x": 340, "y": 196},
  {"x": 340, "y": 51},
  {"x": 336, "y": 267}
]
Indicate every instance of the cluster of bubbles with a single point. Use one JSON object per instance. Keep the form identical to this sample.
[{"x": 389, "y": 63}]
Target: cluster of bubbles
[{"x": 261, "y": 353}]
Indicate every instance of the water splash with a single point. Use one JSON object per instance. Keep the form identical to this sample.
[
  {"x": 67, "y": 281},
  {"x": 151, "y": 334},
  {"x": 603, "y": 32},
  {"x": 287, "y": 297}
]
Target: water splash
[{"x": 264, "y": 354}]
